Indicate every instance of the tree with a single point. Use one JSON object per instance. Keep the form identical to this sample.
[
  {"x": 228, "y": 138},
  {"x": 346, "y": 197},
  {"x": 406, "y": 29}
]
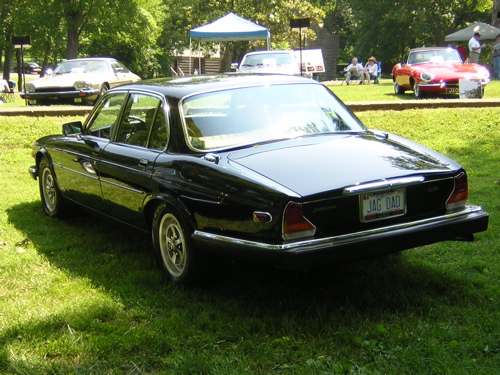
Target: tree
[
  {"x": 495, "y": 19},
  {"x": 387, "y": 28}
]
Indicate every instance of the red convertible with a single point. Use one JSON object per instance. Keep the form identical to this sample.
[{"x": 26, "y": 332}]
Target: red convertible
[{"x": 435, "y": 70}]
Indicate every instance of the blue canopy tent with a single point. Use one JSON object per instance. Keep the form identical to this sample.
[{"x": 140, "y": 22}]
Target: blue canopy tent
[{"x": 229, "y": 28}]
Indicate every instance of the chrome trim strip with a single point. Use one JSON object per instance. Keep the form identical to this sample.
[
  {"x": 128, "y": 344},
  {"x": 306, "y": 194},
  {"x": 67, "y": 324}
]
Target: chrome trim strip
[
  {"x": 382, "y": 185},
  {"x": 315, "y": 244}
]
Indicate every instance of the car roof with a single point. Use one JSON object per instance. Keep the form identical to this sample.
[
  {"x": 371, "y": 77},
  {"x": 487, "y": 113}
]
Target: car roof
[
  {"x": 92, "y": 59},
  {"x": 430, "y": 49},
  {"x": 270, "y": 52},
  {"x": 181, "y": 87}
]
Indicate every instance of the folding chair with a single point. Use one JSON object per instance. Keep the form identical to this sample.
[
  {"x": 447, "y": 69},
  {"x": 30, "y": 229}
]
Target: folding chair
[
  {"x": 353, "y": 78},
  {"x": 379, "y": 72}
]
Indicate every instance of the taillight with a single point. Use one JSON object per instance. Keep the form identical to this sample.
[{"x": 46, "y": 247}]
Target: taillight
[
  {"x": 295, "y": 225},
  {"x": 460, "y": 193}
]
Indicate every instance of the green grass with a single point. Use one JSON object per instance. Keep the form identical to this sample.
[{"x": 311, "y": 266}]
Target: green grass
[{"x": 80, "y": 296}]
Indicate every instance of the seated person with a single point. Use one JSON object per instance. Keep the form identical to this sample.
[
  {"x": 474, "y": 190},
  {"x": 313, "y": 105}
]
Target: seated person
[
  {"x": 4, "y": 86},
  {"x": 370, "y": 71},
  {"x": 354, "y": 70}
]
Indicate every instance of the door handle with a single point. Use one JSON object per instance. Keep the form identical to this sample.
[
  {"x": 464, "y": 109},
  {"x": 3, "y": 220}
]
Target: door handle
[{"x": 144, "y": 162}]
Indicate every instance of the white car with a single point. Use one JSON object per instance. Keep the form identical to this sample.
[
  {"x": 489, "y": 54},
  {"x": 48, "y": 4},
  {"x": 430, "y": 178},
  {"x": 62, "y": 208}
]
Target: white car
[
  {"x": 275, "y": 62},
  {"x": 78, "y": 81}
]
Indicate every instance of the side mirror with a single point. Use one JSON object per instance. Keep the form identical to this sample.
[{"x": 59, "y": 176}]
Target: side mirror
[
  {"x": 234, "y": 67},
  {"x": 71, "y": 128}
]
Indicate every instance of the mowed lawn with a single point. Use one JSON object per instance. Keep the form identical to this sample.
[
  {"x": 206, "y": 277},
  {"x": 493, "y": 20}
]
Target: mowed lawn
[{"x": 81, "y": 296}]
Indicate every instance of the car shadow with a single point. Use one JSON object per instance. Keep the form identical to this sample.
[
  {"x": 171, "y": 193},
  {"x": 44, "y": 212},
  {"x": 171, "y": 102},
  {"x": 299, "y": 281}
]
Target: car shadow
[{"x": 117, "y": 259}]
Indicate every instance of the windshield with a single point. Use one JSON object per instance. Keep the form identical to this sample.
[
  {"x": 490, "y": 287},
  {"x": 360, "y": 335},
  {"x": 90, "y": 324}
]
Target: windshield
[
  {"x": 260, "y": 114},
  {"x": 269, "y": 59},
  {"x": 85, "y": 66},
  {"x": 434, "y": 56}
]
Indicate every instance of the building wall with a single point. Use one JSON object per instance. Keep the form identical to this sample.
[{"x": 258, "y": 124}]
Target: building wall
[{"x": 329, "y": 44}]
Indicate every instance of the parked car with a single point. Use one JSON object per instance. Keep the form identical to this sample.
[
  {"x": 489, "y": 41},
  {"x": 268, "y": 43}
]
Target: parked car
[
  {"x": 30, "y": 67},
  {"x": 435, "y": 70},
  {"x": 272, "y": 168},
  {"x": 274, "y": 62},
  {"x": 78, "y": 81}
]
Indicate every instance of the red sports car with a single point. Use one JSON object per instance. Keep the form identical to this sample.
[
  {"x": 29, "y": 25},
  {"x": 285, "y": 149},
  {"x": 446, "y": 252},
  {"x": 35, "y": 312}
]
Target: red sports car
[{"x": 436, "y": 70}]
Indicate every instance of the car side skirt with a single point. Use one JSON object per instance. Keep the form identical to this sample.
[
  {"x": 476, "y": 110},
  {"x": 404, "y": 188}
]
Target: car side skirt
[{"x": 355, "y": 246}]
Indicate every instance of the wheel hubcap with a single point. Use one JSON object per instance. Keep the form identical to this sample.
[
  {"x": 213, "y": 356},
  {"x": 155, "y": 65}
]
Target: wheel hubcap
[
  {"x": 172, "y": 245},
  {"x": 49, "y": 190}
]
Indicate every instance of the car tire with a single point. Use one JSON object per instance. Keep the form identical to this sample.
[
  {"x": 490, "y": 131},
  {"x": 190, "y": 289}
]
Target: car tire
[
  {"x": 417, "y": 92},
  {"x": 398, "y": 90},
  {"x": 102, "y": 90},
  {"x": 173, "y": 246},
  {"x": 53, "y": 202}
]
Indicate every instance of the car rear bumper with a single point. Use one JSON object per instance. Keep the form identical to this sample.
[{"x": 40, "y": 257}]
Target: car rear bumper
[{"x": 339, "y": 249}]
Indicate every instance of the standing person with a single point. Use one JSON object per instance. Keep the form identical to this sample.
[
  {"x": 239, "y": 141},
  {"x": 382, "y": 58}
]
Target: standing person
[
  {"x": 354, "y": 69},
  {"x": 475, "y": 48},
  {"x": 370, "y": 71},
  {"x": 496, "y": 58}
]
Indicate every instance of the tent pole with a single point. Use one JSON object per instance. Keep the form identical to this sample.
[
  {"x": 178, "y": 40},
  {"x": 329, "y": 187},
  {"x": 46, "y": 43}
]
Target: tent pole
[{"x": 190, "y": 56}]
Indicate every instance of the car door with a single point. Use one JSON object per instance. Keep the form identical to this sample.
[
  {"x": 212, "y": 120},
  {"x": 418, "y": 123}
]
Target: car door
[
  {"x": 126, "y": 163},
  {"x": 81, "y": 153},
  {"x": 122, "y": 74}
]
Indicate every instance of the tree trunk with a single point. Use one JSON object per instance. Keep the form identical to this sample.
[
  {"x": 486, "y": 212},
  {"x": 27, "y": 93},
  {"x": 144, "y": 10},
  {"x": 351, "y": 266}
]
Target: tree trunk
[
  {"x": 495, "y": 20},
  {"x": 74, "y": 21},
  {"x": 7, "y": 63}
]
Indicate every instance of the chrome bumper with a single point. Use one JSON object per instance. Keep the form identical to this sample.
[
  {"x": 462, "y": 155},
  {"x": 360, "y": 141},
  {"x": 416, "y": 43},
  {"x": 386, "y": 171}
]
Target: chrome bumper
[{"x": 337, "y": 249}]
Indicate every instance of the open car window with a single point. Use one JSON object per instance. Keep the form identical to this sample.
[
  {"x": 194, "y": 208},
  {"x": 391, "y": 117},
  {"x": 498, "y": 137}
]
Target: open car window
[
  {"x": 263, "y": 113},
  {"x": 106, "y": 116}
]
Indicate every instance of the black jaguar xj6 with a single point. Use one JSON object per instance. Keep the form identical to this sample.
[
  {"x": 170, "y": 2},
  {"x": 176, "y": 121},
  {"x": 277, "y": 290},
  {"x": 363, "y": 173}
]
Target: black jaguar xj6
[{"x": 262, "y": 167}]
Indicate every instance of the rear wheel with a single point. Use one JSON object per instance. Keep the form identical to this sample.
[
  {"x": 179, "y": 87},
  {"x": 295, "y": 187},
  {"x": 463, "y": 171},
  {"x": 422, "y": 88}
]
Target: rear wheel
[
  {"x": 173, "y": 246},
  {"x": 52, "y": 201}
]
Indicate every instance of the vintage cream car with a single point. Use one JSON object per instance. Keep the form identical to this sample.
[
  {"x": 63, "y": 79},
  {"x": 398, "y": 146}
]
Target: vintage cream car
[{"x": 78, "y": 81}]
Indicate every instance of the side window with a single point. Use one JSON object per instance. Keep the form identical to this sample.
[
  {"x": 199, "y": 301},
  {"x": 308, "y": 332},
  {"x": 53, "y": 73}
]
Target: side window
[
  {"x": 140, "y": 115},
  {"x": 106, "y": 116},
  {"x": 159, "y": 135}
]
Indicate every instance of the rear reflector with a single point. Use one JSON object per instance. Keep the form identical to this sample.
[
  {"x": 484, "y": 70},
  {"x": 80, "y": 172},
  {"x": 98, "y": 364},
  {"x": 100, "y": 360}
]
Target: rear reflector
[{"x": 295, "y": 225}]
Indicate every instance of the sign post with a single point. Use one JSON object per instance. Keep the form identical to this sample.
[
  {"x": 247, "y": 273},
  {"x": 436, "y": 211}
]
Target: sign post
[
  {"x": 21, "y": 42},
  {"x": 297, "y": 24}
]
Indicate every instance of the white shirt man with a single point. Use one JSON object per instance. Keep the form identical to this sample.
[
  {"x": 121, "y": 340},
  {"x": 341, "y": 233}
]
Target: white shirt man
[
  {"x": 475, "y": 48},
  {"x": 353, "y": 69}
]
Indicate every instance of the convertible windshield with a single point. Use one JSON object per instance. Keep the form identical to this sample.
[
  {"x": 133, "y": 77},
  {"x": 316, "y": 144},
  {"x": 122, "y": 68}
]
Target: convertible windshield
[
  {"x": 434, "y": 56},
  {"x": 264, "y": 113}
]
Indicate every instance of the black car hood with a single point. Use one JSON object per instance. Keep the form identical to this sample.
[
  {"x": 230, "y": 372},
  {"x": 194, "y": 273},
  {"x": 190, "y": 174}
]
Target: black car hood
[{"x": 316, "y": 164}]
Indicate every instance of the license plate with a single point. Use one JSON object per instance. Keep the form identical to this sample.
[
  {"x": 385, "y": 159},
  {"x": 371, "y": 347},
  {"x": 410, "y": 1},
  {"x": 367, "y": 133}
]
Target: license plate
[
  {"x": 384, "y": 205},
  {"x": 452, "y": 90}
]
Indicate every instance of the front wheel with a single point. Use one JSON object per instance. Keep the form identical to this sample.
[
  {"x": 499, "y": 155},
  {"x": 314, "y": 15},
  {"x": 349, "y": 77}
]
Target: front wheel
[
  {"x": 398, "y": 90},
  {"x": 53, "y": 203},
  {"x": 418, "y": 92},
  {"x": 102, "y": 90},
  {"x": 173, "y": 245}
]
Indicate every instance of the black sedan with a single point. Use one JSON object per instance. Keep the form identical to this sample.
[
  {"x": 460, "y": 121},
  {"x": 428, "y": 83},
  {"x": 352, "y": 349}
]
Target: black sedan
[{"x": 268, "y": 168}]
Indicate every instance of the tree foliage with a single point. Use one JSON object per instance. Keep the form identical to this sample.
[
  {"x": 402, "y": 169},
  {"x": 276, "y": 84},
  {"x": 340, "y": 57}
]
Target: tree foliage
[{"x": 147, "y": 34}]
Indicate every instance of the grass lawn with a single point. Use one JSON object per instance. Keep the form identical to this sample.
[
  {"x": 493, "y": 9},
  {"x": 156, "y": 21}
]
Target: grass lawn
[{"x": 80, "y": 296}]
